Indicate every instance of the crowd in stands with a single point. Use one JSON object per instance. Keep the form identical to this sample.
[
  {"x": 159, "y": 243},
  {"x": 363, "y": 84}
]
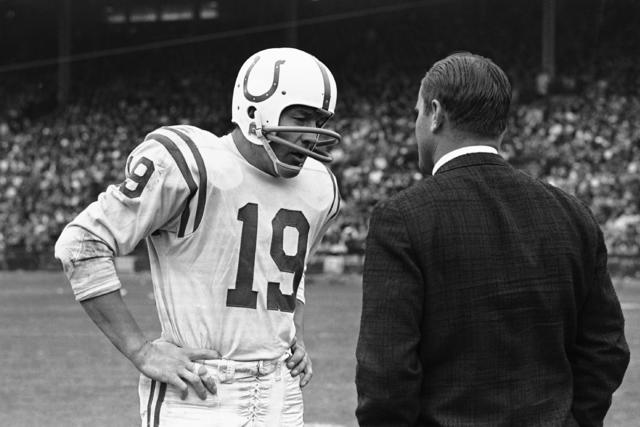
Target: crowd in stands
[{"x": 585, "y": 140}]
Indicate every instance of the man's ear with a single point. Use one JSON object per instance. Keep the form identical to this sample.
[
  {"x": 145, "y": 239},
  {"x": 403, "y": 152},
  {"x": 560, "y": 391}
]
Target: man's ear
[
  {"x": 501, "y": 137},
  {"x": 437, "y": 116}
]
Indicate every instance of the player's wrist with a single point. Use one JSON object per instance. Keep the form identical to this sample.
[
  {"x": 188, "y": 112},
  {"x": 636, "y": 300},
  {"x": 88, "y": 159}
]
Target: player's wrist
[{"x": 139, "y": 353}]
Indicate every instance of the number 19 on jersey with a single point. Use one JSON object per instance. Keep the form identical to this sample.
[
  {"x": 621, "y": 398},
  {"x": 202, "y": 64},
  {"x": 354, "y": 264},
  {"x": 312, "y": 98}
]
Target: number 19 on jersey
[{"x": 243, "y": 295}]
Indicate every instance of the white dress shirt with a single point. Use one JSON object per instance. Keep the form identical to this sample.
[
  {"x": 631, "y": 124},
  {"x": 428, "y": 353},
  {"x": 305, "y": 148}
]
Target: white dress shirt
[{"x": 461, "y": 152}]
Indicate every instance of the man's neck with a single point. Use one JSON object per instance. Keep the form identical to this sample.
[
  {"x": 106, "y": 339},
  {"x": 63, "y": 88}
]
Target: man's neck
[
  {"x": 461, "y": 140},
  {"x": 252, "y": 153}
]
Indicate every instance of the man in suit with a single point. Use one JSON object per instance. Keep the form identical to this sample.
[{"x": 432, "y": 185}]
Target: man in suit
[{"x": 486, "y": 295}]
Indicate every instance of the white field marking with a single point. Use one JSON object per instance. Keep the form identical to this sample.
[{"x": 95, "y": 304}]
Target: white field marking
[
  {"x": 630, "y": 306},
  {"x": 323, "y": 425}
]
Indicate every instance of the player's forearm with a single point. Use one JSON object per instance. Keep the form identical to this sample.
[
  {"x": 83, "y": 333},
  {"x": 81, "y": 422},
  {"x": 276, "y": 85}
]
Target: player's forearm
[{"x": 114, "y": 319}]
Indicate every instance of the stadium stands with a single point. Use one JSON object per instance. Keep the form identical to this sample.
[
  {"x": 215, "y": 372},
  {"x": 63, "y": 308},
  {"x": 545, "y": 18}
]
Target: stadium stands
[{"x": 584, "y": 137}]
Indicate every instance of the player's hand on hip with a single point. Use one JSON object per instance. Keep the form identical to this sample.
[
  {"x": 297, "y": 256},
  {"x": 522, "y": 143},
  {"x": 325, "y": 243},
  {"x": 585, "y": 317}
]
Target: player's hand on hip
[
  {"x": 300, "y": 363},
  {"x": 166, "y": 362}
]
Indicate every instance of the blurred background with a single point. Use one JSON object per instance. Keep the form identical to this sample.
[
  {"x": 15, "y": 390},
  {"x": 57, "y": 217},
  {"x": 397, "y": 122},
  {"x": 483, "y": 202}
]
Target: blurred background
[{"x": 82, "y": 83}]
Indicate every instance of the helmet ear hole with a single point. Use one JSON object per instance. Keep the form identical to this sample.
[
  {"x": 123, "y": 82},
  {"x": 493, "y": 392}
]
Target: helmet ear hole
[{"x": 251, "y": 112}]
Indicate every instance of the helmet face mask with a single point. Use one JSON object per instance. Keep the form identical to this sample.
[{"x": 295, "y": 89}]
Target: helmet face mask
[{"x": 269, "y": 83}]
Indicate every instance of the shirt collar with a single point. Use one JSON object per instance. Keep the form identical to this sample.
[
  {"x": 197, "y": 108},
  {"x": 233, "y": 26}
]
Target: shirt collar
[{"x": 460, "y": 152}]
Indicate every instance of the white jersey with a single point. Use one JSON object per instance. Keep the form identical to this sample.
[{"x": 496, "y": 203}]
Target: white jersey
[{"x": 228, "y": 243}]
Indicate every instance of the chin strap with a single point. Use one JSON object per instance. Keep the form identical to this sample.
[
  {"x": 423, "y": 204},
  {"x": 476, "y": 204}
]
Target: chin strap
[{"x": 274, "y": 159}]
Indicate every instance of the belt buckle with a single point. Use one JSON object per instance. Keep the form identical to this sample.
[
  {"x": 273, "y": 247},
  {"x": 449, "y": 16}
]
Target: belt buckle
[{"x": 265, "y": 367}]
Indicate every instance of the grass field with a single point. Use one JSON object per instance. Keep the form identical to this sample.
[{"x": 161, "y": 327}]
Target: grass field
[{"x": 58, "y": 370}]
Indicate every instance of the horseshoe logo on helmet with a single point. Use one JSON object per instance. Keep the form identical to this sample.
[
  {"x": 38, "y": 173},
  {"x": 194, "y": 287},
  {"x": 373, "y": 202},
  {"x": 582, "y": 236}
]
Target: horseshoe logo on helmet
[{"x": 274, "y": 83}]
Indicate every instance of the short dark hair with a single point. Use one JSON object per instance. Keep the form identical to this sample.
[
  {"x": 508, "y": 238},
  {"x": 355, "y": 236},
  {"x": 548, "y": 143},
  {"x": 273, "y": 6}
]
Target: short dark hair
[{"x": 473, "y": 91}]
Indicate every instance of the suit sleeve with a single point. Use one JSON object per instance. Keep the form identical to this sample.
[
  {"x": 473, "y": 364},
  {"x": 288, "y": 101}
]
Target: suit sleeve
[
  {"x": 601, "y": 354},
  {"x": 389, "y": 371}
]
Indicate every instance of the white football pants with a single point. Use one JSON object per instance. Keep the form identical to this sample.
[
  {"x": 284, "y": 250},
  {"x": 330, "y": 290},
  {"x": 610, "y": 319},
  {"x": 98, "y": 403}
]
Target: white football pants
[{"x": 255, "y": 394}]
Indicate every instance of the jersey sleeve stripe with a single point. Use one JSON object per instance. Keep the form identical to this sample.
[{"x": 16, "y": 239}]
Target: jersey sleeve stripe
[
  {"x": 173, "y": 149},
  {"x": 202, "y": 172},
  {"x": 336, "y": 197},
  {"x": 126, "y": 167}
]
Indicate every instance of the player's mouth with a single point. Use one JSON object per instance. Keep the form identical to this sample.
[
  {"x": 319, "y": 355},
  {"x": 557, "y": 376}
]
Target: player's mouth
[{"x": 296, "y": 158}]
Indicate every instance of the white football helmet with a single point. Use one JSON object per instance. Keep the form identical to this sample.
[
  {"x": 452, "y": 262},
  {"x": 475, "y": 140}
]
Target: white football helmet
[{"x": 274, "y": 79}]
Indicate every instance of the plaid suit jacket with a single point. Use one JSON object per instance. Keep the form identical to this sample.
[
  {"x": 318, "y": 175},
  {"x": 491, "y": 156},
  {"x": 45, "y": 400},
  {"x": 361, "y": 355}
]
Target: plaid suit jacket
[{"x": 487, "y": 302}]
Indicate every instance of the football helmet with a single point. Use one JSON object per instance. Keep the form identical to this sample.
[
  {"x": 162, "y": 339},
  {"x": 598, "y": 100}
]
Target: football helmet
[{"x": 274, "y": 79}]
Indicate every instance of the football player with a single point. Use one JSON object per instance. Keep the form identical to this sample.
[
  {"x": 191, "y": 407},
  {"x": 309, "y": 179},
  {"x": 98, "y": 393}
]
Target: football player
[{"x": 229, "y": 224}]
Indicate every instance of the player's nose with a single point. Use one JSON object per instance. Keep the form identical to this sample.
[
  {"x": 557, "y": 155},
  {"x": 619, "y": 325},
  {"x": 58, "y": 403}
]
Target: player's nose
[{"x": 308, "y": 140}]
